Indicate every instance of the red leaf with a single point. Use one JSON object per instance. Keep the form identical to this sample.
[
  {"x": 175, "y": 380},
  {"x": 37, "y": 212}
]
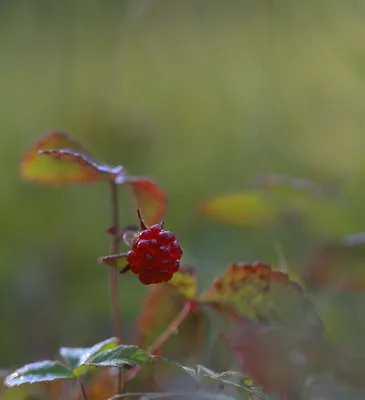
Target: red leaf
[{"x": 149, "y": 198}]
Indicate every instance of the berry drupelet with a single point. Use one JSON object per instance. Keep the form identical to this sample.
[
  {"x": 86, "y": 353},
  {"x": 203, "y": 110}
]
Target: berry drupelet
[{"x": 155, "y": 254}]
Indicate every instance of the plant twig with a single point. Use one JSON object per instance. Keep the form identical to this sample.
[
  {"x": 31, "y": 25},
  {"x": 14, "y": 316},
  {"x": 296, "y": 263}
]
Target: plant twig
[
  {"x": 113, "y": 275},
  {"x": 170, "y": 330},
  {"x": 83, "y": 391}
]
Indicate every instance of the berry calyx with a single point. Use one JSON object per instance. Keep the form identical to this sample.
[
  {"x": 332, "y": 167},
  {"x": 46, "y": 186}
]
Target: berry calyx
[{"x": 155, "y": 254}]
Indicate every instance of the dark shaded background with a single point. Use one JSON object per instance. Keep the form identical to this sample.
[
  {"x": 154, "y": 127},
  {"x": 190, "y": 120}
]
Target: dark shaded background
[{"x": 201, "y": 96}]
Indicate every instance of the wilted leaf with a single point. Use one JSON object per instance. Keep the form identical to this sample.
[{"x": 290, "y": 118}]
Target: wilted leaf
[
  {"x": 241, "y": 208},
  {"x": 59, "y": 158},
  {"x": 118, "y": 261},
  {"x": 75, "y": 356},
  {"x": 149, "y": 198},
  {"x": 338, "y": 263},
  {"x": 161, "y": 306},
  {"x": 257, "y": 292},
  {"x": 43, "y": 371}
]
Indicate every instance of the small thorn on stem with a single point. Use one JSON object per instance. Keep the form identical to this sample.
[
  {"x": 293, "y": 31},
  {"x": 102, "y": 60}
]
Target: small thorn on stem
[
  {"x": 112, "y": 231},
  {"x": 143, "y": 225},
  {"x": 125, "y": 269}
]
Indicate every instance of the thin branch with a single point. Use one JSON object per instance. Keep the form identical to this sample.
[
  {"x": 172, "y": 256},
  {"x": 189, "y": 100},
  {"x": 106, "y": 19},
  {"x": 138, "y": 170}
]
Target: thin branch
[
  {"x": 113, "y": 275},
  {"x": 83, "y": 391},
  {"x": 171, "y": 329},
  {"x": 112, "y": 271},
  {"x": 162, "y": 339}
]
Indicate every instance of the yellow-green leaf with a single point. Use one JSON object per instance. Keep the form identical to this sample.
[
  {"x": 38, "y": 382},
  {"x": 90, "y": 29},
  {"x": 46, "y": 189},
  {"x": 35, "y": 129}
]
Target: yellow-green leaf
[{"x": 241, "y": 208}]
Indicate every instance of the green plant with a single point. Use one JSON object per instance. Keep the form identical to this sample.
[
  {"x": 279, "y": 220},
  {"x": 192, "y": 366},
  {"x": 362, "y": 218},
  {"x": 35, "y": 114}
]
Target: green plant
[{"x": 267, "y": 339}]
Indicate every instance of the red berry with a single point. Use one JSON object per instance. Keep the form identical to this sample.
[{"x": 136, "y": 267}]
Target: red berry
[{"x": 155, "y": 254}]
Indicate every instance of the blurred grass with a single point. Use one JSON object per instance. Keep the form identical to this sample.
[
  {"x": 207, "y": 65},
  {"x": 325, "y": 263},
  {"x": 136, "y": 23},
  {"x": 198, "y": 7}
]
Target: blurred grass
[{"x": 202, "y": 96}]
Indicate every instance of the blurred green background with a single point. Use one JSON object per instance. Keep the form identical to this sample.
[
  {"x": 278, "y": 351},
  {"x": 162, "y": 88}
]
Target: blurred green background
[{"x": 202, "y": 96}]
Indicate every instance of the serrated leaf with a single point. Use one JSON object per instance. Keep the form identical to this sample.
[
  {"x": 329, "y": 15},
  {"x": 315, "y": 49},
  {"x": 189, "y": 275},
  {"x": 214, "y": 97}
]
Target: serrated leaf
[
  {"x": 257, "y": 292},
  {"x": 161, "y": 306},
  {"x": 121, "y": 356},
  {"x": 43, "y": 371},
  {"x": 72, "y": 355},
  {"x": 118, "y": 261},
  {"x": 149, "y": 198},
  {"x": 241, "y": 208},
  {"x": 185, "y": 282},
  {"x": 75, "y": 356},
  {"x": 338, "y": 264},
  {"x": 59, "y": 158}
]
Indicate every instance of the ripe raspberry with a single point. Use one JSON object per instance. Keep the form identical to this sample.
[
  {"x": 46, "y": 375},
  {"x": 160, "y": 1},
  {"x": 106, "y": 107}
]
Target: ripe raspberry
[{"x": 155, "y": 254}]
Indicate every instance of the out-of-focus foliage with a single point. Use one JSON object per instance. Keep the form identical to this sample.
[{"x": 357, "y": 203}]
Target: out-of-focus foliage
[{"x": 203, "y": 97}]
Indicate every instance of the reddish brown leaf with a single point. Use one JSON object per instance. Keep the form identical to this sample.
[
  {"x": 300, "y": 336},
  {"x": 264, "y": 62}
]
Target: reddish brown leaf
[
  {"x": 149, "y": 198},
  {"x": 257, "y": 292},
  {"x": 276, "y": 359},
  {"x": 59, "y": 158}
]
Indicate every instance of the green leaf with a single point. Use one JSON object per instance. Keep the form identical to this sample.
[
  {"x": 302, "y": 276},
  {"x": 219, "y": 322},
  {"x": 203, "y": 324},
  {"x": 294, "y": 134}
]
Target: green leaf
[
  {"x": 72, "y": 355},
  {"x": 257, "y": 292},
  {"x": 75, "y": 356},
  {"x": 121, "y": 356},
  {"x": 59, "y": 158},
  {"x": 43, "y": 371}
]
